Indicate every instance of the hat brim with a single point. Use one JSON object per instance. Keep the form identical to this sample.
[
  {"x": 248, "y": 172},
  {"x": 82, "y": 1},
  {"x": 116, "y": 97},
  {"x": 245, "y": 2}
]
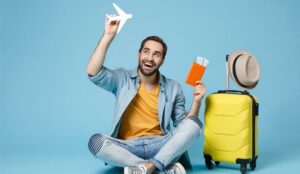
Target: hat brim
[{"x": 232, "y": 57}]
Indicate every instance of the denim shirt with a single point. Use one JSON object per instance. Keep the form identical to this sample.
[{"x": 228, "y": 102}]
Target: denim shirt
[{"x": 124, "y": 84}]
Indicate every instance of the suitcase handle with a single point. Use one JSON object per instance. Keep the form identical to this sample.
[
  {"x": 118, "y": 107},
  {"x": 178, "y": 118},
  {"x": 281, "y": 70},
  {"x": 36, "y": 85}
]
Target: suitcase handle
[{"x": 233, "y": 91}]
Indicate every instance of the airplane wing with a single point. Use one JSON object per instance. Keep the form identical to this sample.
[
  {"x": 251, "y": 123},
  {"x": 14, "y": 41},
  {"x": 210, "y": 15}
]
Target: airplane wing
[
  {"x": 119, "y": 10},
  {"x": 121, "y": 24}
]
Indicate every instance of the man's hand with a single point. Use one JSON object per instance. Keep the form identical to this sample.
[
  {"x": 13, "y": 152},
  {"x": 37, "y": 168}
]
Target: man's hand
[
  {"x": 199, "y": 91},
  {"x": 111, "y": 27}
]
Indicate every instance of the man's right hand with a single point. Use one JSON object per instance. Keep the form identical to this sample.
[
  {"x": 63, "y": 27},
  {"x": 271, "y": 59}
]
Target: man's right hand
[{"x": 111, "y": 27}]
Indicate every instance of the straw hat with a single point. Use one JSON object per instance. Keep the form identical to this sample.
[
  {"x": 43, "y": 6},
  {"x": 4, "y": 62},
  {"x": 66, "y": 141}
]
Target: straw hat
[{"x": 244, "y": 69}]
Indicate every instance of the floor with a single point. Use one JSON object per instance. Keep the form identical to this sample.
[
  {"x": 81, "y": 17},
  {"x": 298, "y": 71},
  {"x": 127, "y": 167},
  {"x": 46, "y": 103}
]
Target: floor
[{"x": 77, "y": 160}]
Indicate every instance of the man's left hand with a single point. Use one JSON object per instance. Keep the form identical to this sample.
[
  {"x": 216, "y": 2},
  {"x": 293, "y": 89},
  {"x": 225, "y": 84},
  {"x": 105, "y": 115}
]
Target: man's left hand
[{"x": 199, "y": 91}]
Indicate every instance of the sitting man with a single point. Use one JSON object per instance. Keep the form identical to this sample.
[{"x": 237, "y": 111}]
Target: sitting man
[{"x": 141, "y": 140}]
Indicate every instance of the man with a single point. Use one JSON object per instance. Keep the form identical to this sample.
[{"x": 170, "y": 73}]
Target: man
[{"x": 146, "y": 101}]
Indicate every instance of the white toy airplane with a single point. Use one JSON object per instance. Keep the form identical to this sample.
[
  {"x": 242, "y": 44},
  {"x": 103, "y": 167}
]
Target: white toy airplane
[{"x": 122, "y": 17}]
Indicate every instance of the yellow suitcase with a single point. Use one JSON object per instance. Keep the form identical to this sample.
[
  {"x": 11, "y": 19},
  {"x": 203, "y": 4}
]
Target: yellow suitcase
[{"x": 230, "y": 133}]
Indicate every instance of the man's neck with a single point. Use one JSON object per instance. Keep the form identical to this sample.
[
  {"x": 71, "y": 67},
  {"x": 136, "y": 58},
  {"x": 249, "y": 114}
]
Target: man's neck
[{"x": 149, "y": 81}]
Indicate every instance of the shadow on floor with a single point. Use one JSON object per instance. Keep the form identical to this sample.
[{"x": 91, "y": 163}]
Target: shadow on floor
[{"x": 109, "y": 170}]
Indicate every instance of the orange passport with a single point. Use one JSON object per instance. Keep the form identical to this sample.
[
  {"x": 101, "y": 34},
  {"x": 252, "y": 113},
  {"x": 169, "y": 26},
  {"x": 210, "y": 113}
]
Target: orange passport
[{"x": 196, "y": 72}]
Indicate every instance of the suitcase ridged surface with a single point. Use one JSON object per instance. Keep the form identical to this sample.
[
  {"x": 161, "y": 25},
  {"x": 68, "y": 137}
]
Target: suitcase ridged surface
[{"x": 228, "y": 127}]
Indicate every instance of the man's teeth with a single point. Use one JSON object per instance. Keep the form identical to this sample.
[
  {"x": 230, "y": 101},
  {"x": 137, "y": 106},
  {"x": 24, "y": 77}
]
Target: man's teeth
[{"x": 148, "y": 64}]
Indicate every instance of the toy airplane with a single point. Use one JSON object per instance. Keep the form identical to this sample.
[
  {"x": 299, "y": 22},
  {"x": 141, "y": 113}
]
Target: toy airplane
[{"x": 121, "y": 16}]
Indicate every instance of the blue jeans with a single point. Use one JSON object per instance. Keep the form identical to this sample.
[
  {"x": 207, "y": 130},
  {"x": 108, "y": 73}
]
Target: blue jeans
[{"x": 159, "y": 150}]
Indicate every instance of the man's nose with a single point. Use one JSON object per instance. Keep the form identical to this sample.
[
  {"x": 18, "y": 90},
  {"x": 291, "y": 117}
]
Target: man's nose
[{"x": 150, "y": 57}]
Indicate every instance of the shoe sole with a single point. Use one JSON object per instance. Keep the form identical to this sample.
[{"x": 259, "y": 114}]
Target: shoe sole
[
  {"x": 126, "y": 170},
  {"x": 181, "y": 168}
]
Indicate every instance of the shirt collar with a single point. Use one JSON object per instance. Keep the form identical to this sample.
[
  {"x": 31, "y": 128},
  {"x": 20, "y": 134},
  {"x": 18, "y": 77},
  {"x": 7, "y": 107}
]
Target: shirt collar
[{"x": 133, "y": 74}]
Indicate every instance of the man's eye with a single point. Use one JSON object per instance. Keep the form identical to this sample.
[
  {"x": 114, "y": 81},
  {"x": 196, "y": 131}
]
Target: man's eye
[
  {"x": 157, "y": 54},
  {"x": 146, "y": 51}
]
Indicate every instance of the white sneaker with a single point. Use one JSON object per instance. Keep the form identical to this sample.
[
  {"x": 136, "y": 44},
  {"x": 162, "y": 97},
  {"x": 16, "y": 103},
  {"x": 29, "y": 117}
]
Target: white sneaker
[
  {"x": 175, "y": 168},
  {"x": 139, "y": 169}
]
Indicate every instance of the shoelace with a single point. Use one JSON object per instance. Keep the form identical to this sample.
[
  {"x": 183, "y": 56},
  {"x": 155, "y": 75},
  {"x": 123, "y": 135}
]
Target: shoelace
[
  {"x": 139, "y": 170},
  {"x": 170, "y": 171}
]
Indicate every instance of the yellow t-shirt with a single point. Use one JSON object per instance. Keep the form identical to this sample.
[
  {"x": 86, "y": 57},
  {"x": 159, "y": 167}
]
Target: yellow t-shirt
[{"x": 141, "y": 116}]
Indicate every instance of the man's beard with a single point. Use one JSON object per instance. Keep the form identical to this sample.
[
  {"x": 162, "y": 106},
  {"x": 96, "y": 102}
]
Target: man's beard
[{"x": 145, "y": 72}]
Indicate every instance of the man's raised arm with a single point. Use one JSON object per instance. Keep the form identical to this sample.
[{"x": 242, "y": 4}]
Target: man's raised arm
[{"x": 97, "y": 59}]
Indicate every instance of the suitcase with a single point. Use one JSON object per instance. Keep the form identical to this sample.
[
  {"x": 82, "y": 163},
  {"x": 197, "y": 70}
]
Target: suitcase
[{"x": 230, "y": 133}]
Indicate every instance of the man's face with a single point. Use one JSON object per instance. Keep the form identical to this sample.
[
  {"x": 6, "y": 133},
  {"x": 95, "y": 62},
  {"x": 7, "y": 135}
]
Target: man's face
[{"x": 150, "y": 58}]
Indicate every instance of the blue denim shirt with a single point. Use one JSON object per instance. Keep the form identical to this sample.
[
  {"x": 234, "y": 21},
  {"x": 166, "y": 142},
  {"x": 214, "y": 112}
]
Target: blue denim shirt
[{"x": 124, "y": 84}]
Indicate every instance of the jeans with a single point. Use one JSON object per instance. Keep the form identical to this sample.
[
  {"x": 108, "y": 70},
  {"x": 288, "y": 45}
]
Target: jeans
[{"x": 159, "y": 150}]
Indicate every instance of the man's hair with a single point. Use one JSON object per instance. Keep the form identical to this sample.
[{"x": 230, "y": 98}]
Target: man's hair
[{"x": 157, "y": 39}]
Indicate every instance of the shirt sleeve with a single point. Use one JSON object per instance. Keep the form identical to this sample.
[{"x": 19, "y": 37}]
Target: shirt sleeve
[
  {"x": 107, "y": 79},
  {"x": 179, "y": 112}
]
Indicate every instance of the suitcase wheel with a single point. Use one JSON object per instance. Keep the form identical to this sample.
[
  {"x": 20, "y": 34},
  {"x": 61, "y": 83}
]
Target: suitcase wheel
[
  {"x": 208, "y": 162},
  {"x": 243, "y": 168},
  {"x": 253, "y": 164}
]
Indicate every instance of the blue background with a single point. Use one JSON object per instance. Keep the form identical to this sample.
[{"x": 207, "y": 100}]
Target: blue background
[{"x": 49, "y": 108}]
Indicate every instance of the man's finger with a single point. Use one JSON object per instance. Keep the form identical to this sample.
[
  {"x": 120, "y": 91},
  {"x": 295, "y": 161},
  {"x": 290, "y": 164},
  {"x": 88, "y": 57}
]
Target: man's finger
[
  {"x": 200, "y": 86},
  {"x": 199, "y": 82}
]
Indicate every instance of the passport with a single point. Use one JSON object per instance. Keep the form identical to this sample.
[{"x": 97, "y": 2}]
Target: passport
[{"x": 196, "y": 71}]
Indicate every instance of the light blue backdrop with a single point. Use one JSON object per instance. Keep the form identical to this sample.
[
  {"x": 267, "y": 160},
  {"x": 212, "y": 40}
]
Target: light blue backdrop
[{"x": 49, "y": 108}]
